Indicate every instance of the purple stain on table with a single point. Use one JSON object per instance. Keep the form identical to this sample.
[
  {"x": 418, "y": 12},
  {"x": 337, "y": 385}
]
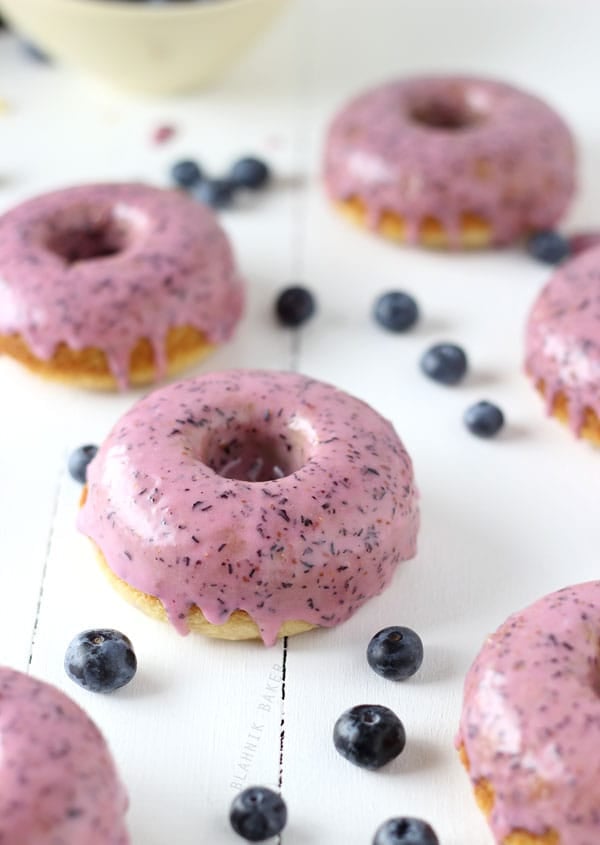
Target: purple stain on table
[{"x": 254, "y": 490}]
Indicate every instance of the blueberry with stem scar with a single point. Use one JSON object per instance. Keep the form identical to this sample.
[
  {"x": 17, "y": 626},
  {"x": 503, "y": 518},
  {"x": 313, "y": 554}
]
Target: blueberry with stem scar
[
  {"x": 395, "y": 653},
  {"x": 258, "y": 813},
  {"x": 369, "y": 735},
  {"x": 101, "y": 660}
]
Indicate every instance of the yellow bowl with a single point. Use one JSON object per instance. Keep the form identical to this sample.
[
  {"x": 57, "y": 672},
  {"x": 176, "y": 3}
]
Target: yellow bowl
[{"x": 157, "y": 49}]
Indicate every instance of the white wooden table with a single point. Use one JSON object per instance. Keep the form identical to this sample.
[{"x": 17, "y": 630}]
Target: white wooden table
[{"x": 503, "y": 521}]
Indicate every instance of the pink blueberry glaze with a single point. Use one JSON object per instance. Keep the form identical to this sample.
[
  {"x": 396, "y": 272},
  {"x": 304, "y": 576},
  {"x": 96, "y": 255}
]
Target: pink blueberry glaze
[
  {"x": 105, "y": 265},
  {"x": 563, "y": 337},
  {"x": 332, "y": 508},
  {"x": 531, "y": 718},
  {"x": 58, "y": 784},
  {"x": 442, "y": 147}
]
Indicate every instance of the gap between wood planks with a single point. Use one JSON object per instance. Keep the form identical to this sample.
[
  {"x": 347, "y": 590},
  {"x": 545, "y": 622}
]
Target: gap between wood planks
[{"x": 51, "y": 530}]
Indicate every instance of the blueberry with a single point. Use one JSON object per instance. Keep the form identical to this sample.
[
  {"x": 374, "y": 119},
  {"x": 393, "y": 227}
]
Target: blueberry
[
  {"x": 369, "y": 735},
  {"x": 396, "y": 311},
  {"x": 258, "y": 813},
  {"x": 79, "y": 461},
  {"x": 101, "y": 660},
  {"x": 294, "y": 306},
  {"x": 405, "y": 831},
  {"x": 186, "y": 173},
  {"x": 216, "y": 193},
  {"x": 484, "y": 419},
  {"x": 548, "y": 246},
  {"x": 445, "y": 362},
  {"x": 250, "y": 173},
  {"x": 395, "y": 653}
]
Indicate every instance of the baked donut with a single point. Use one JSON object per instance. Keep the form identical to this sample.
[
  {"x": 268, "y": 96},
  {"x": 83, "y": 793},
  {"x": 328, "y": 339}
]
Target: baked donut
[
  {"x": 531, "y": 720},
  {"x": 563, "y": 344},
  {"x": 114, "y": 284},
  {"x": 450, "y": 161},
  {"x": 59, "y": 783},
  {"x": 247, "y": 503}
]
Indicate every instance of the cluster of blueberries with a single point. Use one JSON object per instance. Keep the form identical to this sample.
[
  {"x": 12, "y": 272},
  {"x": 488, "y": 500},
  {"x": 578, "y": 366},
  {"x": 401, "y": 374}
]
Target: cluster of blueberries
[
  {"x": 397, "y": 311},
  {"x": 368, "y": 735},
  {"x": 249, "y": 173}
]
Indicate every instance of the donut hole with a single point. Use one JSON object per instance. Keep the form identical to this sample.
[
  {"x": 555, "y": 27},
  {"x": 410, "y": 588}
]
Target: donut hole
[
  {"x": 81, "y": 234},
  {"x": 251, "y": 453},
  {"x": 450, "y": 114}
]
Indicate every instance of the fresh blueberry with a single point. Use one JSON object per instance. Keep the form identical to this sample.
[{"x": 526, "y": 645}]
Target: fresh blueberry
[
  {"x": 405, "y": 831},
  {"x": 548, "y": 246},
  {"x": 445, "y": 362},
  {"x": 396, "y": 311},
  {"x": 294, "y": 306},
  {"x": 369, "y": 735},
  {"x": 258, "y": 813},
  {"x": 79, "y": 461},
  {"x": 216, "y": 193},
  {"x": 186, "y": 173},
  {"x": 250, "y": 173},
  {"x": 101, "y": 660},
  {"x": 484, "y": 419},
  {"x": 395, "y": 653}
]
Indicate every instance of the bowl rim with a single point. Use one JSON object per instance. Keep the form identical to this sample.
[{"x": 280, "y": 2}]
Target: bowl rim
[{"x": 122, "y": 9}]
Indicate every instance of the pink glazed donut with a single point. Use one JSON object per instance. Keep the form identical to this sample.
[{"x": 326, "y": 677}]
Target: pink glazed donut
[
  {"x": 562, "y": 354},
  {"x": 531, "y": 722},
  {"x": 58, "y": 782},
  {"x": 248, "y": 503},
  {"x": 450, "y": 161},
  {"x": 114, "y": 284}
]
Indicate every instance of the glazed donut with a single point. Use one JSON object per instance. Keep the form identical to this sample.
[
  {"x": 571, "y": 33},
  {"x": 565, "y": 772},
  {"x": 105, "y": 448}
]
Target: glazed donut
[
  {"x": 450, "y": 161},
  {"x": 267, "y": 499},
  {"x": 114, "y": 284},
  {"x": 59, "y": 783},
  {"x": 531, "y": 720},
  {"x": 562, "y": 342}
]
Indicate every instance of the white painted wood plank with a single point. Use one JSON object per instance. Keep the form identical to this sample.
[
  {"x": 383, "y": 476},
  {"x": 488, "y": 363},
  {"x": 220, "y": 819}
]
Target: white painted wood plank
[{"x": 503, "y": 522}]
